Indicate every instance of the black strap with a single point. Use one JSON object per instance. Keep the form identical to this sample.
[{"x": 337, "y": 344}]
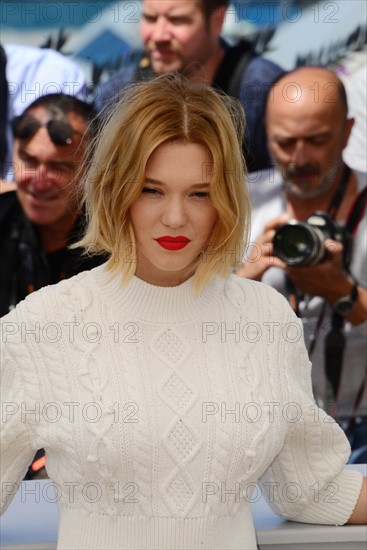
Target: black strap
[
  {"x": 356, "y": 212},
  {"x": 229, "y": 74},
  {"x": 334, "y": 343},
  {"x": 294, "y": 294},
  {"x": 315, "y": 334},
  {"x": 339, "y": 194},
  {"x": 334, "y": 346}
]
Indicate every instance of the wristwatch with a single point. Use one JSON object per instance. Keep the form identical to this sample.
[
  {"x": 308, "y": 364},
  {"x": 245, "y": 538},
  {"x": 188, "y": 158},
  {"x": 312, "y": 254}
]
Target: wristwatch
[{"x": 346, "y": 303}]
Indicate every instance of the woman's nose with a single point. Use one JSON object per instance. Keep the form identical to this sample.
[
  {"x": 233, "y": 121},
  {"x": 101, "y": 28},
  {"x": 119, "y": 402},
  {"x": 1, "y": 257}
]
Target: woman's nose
[{"x": 174, "y": 214}]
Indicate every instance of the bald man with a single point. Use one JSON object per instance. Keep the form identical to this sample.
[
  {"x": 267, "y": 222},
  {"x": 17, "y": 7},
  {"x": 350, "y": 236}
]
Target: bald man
[{"x": 308, "y": 128}]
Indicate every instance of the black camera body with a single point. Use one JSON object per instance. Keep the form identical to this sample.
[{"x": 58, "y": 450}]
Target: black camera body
[{"x": 303, "y": 243}]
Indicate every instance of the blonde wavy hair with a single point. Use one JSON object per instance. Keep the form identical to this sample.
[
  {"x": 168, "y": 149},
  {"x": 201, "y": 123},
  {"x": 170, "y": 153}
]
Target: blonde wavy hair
[{"x": 168, "y": 108}]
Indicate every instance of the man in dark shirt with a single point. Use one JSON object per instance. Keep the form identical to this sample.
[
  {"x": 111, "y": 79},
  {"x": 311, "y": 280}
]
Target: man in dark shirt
[
  {"x": 184, "y": 36},
  {"x": 42, "y": 217}
]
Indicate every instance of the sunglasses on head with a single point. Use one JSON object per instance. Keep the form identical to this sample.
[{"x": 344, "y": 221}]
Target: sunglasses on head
[{"x": 26, "y": 126}]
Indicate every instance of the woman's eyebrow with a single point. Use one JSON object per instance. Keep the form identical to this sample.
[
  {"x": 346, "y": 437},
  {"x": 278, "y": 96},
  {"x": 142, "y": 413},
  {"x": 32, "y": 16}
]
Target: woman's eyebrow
[{"x": 159, "y": 182}]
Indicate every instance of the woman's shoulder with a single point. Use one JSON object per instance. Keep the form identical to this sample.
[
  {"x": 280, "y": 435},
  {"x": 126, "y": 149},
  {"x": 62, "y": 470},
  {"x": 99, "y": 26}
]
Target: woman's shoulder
[
  {"x": 251, "y": 288},
  {"x": 247, "y": 292}
]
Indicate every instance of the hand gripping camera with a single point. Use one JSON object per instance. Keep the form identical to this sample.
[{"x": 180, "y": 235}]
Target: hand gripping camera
[{"x": 303, "y": 243}]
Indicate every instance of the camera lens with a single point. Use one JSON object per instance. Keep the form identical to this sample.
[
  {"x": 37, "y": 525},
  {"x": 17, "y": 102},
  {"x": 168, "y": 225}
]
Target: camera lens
[{"x": 296, "y": 243}]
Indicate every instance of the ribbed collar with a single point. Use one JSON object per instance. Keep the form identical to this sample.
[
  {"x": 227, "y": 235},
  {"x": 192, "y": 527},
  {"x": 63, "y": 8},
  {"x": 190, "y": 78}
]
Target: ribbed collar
[{"x": 158, "y": 304}]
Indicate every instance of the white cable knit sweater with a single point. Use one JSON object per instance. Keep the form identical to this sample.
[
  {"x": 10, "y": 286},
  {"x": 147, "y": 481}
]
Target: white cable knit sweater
[{"x": 159, "y": 411}]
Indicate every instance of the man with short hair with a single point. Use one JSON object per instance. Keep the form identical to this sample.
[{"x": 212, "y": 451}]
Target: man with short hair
[
  {"x": 184, "y": 36},
  {"x": 42, "y": 217},
  {"x": 308, "y": 128}
]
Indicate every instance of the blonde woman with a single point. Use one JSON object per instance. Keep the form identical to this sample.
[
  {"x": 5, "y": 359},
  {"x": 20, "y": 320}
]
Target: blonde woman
[{"x": 164, "y": 386}]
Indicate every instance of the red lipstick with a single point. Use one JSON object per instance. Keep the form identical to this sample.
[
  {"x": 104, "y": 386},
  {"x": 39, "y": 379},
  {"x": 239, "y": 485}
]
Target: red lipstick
[{"x": 173, "y": 243}]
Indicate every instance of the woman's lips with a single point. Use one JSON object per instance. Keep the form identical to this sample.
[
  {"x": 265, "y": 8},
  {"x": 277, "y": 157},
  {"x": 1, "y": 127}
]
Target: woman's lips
[{"x": 173, "y": 243}]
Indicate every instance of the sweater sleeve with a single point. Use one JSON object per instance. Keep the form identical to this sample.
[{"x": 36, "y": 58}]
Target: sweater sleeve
[
  {"x": 16, "y": 447},
  {"x": 307, "y": 481}
]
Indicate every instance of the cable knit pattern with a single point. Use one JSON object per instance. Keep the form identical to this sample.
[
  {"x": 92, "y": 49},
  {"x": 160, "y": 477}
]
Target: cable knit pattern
[{"x": 159, "y": 410}]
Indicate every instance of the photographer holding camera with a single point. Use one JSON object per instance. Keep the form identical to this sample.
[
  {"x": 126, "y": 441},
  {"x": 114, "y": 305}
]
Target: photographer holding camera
[{"x": 313, "y": 245}]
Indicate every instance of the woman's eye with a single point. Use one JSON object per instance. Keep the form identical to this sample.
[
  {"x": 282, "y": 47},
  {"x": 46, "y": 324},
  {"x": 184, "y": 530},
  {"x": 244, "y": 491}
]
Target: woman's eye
[
  {"x": 150, "y": 191},
  {"x": 201, "y": 195}
]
